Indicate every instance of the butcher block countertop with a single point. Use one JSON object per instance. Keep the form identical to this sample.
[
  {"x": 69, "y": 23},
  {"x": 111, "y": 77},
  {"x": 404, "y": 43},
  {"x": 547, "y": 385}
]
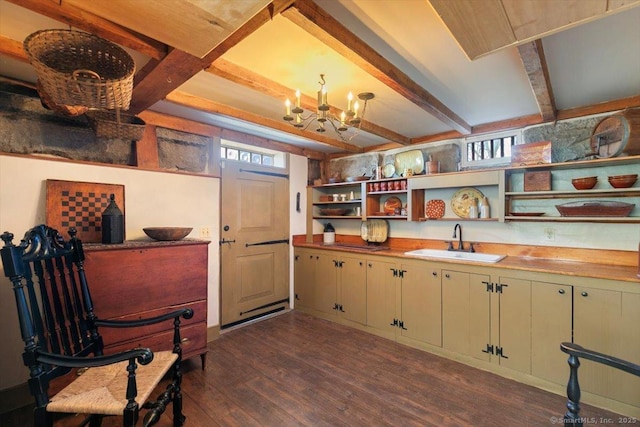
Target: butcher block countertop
[{"x": 591, "y": 263}]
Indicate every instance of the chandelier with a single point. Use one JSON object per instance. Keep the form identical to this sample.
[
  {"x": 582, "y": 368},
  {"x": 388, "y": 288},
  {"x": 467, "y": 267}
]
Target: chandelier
[{"x": 352, "y": 117}]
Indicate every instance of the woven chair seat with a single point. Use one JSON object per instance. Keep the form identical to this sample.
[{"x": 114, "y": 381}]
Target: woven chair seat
[{"x": 102, "y": 390}]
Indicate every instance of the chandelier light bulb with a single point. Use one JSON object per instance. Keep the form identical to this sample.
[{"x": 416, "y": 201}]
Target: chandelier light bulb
[{"x": 352, "y": 117}]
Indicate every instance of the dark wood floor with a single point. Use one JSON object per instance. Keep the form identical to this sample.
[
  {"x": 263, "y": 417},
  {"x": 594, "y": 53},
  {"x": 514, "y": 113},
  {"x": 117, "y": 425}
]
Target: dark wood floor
[{"x": 297, "y": 370}]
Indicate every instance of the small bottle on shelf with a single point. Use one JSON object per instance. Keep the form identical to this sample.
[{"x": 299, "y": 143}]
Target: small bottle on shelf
[
  {"x": 473, "y": 209},
  {"x": 485, "y": 210}
]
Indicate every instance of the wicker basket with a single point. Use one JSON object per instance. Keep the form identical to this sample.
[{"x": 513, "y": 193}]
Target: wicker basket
[
  {"x": 81, "y": 69},
  {"x": 67, "y": 110},
  {"x": 107, "y": 124}
]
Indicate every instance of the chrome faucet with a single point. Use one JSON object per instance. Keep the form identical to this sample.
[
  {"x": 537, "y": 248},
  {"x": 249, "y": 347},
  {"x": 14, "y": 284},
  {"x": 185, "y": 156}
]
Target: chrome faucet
[{"x": 460, "y": 244}]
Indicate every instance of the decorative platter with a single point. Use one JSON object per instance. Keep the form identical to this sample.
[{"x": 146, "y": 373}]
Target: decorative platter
[
  {"x": 412, "y": 159},
  {"x": 374, "y": 230},
  {"x": 462, "y": 199},
  {"x": 435, "y": 208},
  {"x": 391, "y": 204},
  {"x": 388, "y": 170}
]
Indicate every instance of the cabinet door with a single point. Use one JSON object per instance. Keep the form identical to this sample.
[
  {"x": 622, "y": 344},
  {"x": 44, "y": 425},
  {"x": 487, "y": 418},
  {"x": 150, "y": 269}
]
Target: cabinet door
[
  {"x": 304, "y": 278},
  {"x": 607, "y": 321},
  {"x": 381, "y": 295},
  {"x": 551, "y": 317},
  {"x": 325, "y": 283},
  {"x": 466, "y": 306},
  {"x": 515, "y": 324},
  {"x": 353, "y": 289},
  {"x": 421, "y": 303},
  {"x": 597, "y": 324},
  {"x": 629, "y": 385}
]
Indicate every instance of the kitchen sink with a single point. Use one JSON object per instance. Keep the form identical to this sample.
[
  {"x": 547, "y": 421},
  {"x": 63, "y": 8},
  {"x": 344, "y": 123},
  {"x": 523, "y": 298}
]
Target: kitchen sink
[{"x": 467, "y": 256}]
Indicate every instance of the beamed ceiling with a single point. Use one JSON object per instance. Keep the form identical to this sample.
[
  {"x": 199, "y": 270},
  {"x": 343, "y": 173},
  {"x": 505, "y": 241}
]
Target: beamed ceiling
[{"x": 439, "y": 69}]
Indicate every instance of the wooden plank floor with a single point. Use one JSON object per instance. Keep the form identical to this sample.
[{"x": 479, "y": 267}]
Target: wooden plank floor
[{"x": 297, "y": 370}]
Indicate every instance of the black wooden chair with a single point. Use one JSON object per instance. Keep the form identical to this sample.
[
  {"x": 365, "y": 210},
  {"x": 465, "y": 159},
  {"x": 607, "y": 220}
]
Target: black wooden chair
[
  {"x": 575, "y": 352},
  {"x": 60, "y": 333}
]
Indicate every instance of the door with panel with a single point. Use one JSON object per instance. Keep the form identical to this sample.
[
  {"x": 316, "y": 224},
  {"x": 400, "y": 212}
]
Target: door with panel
[
  {"x": 254, "y": 249},
  {"x": 466, "y": 310},
  {"x": 304, "y": 278},
  {"x": 325, "y": 284},
  {"x": 604, "y": 322},
  {"x": 352, "y": 301},
  {"x": 421, "y": 303},
  {"x": 381, "y": 296},
  {"x": 551, "y": 324},
  {"x": 514, "y": 305}
]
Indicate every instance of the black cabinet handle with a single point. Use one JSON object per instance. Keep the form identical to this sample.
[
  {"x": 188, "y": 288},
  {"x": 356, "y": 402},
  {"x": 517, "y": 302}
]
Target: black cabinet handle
[
  {"x": 447, "y": 276},
  {"x": 584, "y": 294},
  {"x": 561, "y": 291},
  {"x": 434, "y": 274}
]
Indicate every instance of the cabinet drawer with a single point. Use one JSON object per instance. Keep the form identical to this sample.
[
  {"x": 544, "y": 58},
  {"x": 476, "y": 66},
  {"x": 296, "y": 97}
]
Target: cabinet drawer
[
  {"x": 194, "y": 341},
  {"x": 113, "y": 336},
  {"x": 136, "y": 280}
]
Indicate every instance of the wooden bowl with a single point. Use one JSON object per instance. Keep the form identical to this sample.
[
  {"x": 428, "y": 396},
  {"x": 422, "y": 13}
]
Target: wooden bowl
[
  {"x": 586, "y": 183},
  {"x": 623, "y": 181},
  {"x": 167, "y": 233}
]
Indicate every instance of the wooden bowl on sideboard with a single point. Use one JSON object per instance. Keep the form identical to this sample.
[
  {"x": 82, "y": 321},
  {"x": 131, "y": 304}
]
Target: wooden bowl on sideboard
[
  {"x": 586, "y": 183},
  {"x": 167, "y": 233},
  {"x": 623, "y": 181}
]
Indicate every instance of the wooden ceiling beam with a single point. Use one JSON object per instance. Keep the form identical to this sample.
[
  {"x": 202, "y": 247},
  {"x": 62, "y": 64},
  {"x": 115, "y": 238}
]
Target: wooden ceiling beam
[
  {"x": 318, "y": 23},
  {"x": 535, "y": 64},
  {"x": 252, "y": 80},
  {"x": 13, "y": 49},
  {"x": 178, "y": 66},
  {"x": 190, "y": 101},
  {"x": 78, "y": 18}
]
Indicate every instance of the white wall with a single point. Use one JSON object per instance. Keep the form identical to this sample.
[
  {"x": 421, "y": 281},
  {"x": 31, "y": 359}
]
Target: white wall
[
  {"x": 151, "y": 199},
  {"x": 298, "y": 172}
]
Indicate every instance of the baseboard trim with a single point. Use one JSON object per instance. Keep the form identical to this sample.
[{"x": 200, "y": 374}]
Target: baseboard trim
[
  {"x": 213, "y": 333},
  {"x": 14, "y": 398}
]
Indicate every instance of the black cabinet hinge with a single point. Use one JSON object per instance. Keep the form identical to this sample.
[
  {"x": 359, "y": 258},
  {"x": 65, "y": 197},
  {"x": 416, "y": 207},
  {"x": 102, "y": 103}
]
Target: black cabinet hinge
[
  {"x": 489, "y": 349},
  {"x": 401, "y": 325},
  {"x": 489, "y": 286},
  {"x": 395, "y": 272},
  {"x": 500, "y": 352},
  {"x": 395, "y": 323},
  {"x": 401, "y": 273},
  {"x": 499, "y": 288}
]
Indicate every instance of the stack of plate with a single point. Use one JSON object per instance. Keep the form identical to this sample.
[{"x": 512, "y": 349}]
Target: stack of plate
[{"x": 374, "y": 230}]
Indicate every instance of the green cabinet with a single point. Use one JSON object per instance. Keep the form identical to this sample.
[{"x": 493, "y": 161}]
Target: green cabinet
[
  {"x": 329, "y": 283},
  {"x": 404, "y": 301},
  {"x": 466, "y": 309},
  {"x": 608, "y": 321},
  {"x": 551, "y": 323}
]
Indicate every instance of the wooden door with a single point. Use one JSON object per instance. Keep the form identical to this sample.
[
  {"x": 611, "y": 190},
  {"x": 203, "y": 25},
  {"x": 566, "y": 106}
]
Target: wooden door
[
  {"x": 551, "y": 316},
  {"x": 353, "y": 289},
  {"x": 304, "y": 277},
  {"x": 326, "y": 283},
  {"x": 515, "y": 324},
  {"x": 381, "y": 297},
  {"x": 254, "y": 247},
  {"x": 421, "y": 304},
  {"x": 466, "y": 310}
]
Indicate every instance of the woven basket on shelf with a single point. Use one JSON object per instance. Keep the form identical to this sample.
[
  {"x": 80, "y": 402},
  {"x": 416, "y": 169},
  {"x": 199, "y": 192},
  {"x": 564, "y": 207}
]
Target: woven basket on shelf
[
  {"x": 81, "y": 69},
  {"x": 67, "y": 110},
  {"x": 107, "y": 124}
]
